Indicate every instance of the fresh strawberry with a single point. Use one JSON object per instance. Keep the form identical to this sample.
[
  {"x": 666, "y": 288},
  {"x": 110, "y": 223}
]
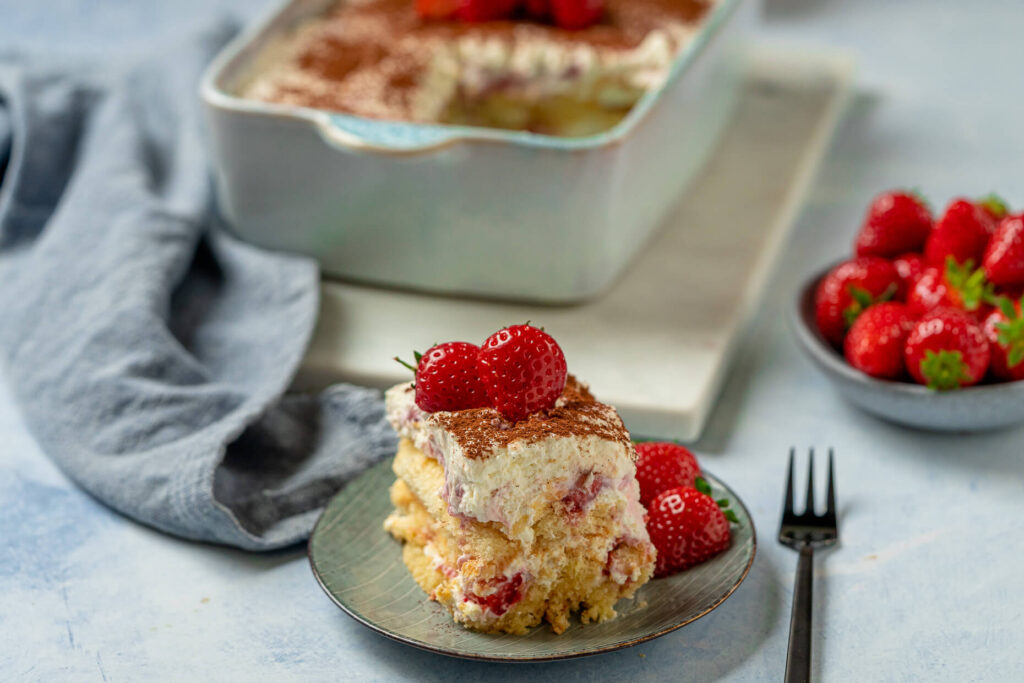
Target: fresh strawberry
[
  {"x": 576, "y": 14},
  {"x": 485, "y": 10},
  {"x": 896, "y": 222},
  {"x": 909, "y": 267},
  {"x": 959, "y": 286},
  {"x": 963, "y": 232},
  {"x": 1004, "y": 328},
  {"x": 1004, "y": 257},
  {"x": 523, "y": 370},
  {"x": 661, "y": 466},
  {"x": 874, "y": 345},
  {"x": 437, "y": 9},
  {"x": 947, "y": 349},
  {"x": 848, "y": 290},
  {"x": 994, "y": 206},
  {"x": 928, "y": 293},
  {"x": 446, "y": 378},
  {"x": 687, "y": 527},
  {"x": 538, "y": 9}
]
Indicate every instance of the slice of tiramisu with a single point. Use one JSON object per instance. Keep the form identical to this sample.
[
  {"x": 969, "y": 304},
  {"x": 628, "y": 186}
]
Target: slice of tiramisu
[
  {"x": 510, "y": 523},
  {"x": 530, "y": 65}
]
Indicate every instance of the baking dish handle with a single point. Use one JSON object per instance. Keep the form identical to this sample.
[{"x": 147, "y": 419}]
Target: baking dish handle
[{"x": 396, "y": 137}]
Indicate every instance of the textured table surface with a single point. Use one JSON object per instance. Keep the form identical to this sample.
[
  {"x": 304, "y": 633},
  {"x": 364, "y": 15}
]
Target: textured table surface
[{"x": 925, "y": 586}]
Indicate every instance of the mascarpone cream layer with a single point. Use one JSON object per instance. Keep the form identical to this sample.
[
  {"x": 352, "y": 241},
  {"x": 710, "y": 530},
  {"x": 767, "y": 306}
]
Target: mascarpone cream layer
[{"x": 514, "y": 484}]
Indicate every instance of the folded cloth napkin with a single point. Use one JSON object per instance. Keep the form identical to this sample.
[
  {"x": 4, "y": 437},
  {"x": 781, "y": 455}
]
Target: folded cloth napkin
[{"x": 149, "y": 351}]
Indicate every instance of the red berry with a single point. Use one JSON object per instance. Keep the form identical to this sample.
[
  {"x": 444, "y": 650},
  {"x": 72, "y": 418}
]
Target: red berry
[
  {"x": 446, "y": 378},
  {"x": 928, "y": 293},
  {"x": 909, "y": 267},
  {"x": 1004, "y": 328},
  {"x": 947, "y": 350},
  {"x": 661, "y": 466},
  {"x": 686, "y": 527},
  {"x": 523, "y": 370},
  {"x": 437, "y": 9},
  {"x": 576, "y": 14},
  {"x": 875, "y": 343},
  {"x": 994, "y": 206},
  {"x": 1004, "y": 257},
  {"x": 848, "y": 290},
  {"x": 538, "y": 9},
  {"x": 502, "y": 594},
  {"x": 963, "y": 232},
  {"x": 896, "y": 222},
  {"x": 959, "y": 286},
  {"x": 485, "y": 10}
]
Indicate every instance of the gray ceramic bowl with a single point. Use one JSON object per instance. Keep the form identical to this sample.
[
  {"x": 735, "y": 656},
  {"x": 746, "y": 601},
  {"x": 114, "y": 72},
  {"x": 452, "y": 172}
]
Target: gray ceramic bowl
[{"x": 972, "y": 409}]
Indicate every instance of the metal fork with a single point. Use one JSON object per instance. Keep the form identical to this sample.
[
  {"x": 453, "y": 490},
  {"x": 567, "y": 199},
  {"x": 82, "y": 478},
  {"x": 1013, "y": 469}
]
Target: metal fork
[{"x": 804, "y": 533}]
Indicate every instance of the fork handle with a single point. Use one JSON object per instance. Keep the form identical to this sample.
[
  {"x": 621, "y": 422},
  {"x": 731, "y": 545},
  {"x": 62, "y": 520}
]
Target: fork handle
[{"x": 798, "y": 660}]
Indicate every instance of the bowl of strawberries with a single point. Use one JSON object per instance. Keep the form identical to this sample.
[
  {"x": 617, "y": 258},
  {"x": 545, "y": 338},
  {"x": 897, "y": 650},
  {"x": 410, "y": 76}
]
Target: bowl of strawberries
[{"x": 923, "y": 325}]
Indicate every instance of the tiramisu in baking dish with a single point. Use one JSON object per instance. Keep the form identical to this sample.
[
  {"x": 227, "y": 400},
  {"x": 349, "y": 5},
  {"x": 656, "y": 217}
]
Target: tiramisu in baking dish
[{"x": 559, "y": 67}]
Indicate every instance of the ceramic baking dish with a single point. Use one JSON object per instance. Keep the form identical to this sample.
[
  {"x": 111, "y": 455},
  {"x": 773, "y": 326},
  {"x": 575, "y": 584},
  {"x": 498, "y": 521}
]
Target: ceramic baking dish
[{"x": 458, "y": 209}]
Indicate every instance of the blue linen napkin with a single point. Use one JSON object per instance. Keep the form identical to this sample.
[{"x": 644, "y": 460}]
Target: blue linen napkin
[{"x": 149, "y": 351}]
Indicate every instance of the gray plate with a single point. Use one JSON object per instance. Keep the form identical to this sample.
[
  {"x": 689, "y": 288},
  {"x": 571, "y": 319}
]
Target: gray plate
[
  {"x": 360, "y": 567},
  {"x": 977, "y": 408}
]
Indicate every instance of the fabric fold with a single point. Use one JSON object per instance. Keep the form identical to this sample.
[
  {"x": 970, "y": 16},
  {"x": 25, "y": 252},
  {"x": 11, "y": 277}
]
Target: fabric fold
[{"x": 149, "y": 350}]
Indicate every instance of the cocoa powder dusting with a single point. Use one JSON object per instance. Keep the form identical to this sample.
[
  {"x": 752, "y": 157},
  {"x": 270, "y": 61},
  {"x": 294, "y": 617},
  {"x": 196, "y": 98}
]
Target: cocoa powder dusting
[
  {"x": 368, "y": 57},
  {"x": 577, "y": 414}
]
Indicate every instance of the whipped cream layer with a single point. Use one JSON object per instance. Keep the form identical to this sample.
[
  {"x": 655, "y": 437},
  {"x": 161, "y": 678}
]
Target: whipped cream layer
[
  {"x": 574, "y": 456},
  {"x": 375, "y": 58}
]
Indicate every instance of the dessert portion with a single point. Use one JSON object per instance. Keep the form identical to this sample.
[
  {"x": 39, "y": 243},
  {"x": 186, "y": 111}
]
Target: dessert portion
[
  {"x": 558, "y": 67},
  {"x": 933, "y": 301},
  {"x": 523, "y": 510}
]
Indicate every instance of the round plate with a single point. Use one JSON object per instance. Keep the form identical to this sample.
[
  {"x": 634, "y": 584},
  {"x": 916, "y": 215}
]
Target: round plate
[{"x": 360, "y": 567}]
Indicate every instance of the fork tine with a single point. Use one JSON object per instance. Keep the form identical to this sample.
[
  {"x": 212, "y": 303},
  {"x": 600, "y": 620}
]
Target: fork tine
[
  {"x": 809, "y": 508},
  {"x": 831, "y": 509},
  {"x": 788, "y": 507}
]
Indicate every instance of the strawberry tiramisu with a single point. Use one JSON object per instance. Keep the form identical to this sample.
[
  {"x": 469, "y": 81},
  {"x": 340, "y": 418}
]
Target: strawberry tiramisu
[
  {"x": 522, "y": 510},
  {"x": 562, "y": 67}
]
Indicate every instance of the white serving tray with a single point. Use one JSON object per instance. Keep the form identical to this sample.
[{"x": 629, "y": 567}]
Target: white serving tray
[{"x": 658, "y": 344}]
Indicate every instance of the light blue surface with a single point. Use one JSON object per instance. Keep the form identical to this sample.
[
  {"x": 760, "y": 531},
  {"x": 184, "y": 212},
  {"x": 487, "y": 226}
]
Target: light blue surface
[{"x": 926, "y": 584}]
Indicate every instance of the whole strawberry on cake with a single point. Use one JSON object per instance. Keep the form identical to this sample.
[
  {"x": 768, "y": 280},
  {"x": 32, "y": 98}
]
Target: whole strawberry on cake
[{"x": 517, "y": 498}]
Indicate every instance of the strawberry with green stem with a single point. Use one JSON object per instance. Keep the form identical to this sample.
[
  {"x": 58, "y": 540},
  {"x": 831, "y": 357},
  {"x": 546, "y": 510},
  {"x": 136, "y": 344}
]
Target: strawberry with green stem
[
  {"x": 1004, "y": 328},
  {"x": 958, "y": 285},
  {"x": 994, "y": 205},
  {"x": 687, "y": 526},
  {"x": 851, "y": 288},
  {"x": 875, "y": 343},
  {"x": 446, "y": 378},
  {"x": 947, "y": 349}
]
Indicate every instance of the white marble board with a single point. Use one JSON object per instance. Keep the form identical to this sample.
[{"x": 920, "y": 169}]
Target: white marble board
[{"x": 659, "y": 343}]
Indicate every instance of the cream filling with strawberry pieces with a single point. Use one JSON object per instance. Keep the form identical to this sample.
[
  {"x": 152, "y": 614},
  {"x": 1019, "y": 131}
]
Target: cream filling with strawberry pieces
[
  {"x": 541, "y": 68},
  {"x": 530, "y": 66},
  {"x": 514, "y": 485}
]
